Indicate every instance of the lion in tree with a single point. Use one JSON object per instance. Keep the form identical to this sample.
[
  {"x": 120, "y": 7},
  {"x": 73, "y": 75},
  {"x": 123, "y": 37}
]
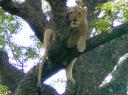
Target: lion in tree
[{"x": 76, "y": 18}]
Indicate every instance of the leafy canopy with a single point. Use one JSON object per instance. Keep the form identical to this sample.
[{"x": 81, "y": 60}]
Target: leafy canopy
[{"x": 111, "y": 14}]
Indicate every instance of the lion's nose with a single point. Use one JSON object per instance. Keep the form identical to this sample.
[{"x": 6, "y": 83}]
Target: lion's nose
[{"x": 75, "y": 20}]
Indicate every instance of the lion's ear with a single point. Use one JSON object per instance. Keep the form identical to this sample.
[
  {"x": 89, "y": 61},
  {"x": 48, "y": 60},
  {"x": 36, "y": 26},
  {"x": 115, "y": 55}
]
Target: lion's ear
[{"x": 84, "y": 10}]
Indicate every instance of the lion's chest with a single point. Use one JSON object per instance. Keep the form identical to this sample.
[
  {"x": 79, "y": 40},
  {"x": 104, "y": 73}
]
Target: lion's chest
[{"x": 73, "y": 39}]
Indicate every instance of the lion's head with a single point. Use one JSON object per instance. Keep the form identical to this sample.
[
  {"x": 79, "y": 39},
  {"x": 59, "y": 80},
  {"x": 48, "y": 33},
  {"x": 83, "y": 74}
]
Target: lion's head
[{"x": 76, "y": 16}]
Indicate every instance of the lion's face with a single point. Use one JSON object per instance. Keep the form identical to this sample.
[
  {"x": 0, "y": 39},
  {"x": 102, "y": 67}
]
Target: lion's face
[{"x": 76, "y": 16}]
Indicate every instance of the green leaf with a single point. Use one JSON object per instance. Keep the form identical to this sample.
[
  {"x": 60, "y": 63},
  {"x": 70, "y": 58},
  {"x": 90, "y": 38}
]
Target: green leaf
[
  {"x": 31, "y": 53},
  {"x": 4, "y": 90}
]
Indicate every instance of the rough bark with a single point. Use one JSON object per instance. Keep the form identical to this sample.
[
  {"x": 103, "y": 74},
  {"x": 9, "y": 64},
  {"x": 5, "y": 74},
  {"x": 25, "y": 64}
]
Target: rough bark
[{"x": 119, "y": 85}]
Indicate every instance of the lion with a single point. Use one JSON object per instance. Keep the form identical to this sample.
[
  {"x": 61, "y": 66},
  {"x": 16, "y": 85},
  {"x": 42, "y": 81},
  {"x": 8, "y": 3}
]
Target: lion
[
  {"x": 76, "y": 18},
  {"x": 48, "y": 37}
]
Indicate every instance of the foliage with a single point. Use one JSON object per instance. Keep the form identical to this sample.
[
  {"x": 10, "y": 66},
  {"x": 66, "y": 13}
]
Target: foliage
[
  {"x": 9, "y": 26},
  {"x": 109, "y": 13},
  {"x": 4, "y": 90}
]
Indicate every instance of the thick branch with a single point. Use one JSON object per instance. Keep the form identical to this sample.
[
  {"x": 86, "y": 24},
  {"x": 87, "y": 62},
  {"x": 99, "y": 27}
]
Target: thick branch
[
  {"x": 106, "y": 37},
  {"x": 36, "y": 4},
  {"x": 59, "y": 9},
  {"x": 119, "y": 85}
]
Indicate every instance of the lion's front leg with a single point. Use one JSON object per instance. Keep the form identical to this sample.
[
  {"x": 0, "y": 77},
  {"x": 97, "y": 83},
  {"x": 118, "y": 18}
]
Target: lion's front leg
[{"x": 81, "y": 44}]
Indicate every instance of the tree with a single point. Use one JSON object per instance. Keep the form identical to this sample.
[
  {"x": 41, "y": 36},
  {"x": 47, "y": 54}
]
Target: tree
[{"x": 100, "y": 57}]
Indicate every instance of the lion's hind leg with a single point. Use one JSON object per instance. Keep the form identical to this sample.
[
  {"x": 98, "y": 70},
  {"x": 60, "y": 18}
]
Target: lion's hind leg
[
  {"x": 69, "y": 71},
  {"x": 44, "y": 58}
]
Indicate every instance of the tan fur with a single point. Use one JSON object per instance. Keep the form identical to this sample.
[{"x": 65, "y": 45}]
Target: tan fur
[
  {"x": 78, "y": 28},
  {"x": 48, "y": 37}
]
